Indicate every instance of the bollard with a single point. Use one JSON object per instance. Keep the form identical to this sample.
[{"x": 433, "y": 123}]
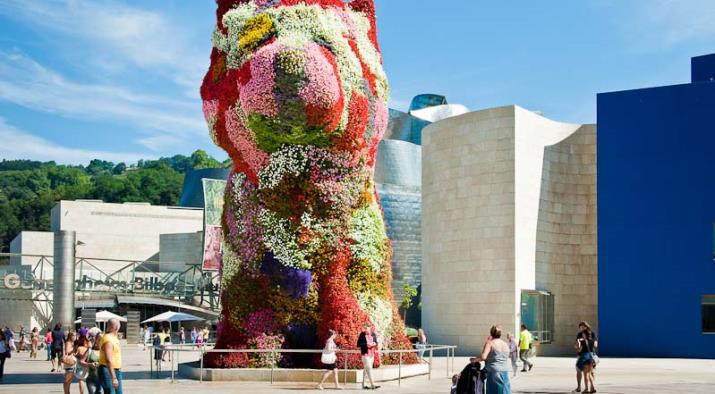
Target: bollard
[
  {"x": 272, "y": 365},
  {"x": 345, "y": 370},
  {"x": 172, "y": 355},
  {"x": 201, "y": 367},
  {"x": 429, "y": 376},
  {"x": 447, "y": 366}
]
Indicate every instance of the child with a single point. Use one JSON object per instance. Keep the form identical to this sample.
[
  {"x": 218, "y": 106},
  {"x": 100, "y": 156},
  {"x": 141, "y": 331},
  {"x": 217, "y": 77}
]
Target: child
[
  {"x": 455, "y": 382},
  {"x": 513, "y": 352}
]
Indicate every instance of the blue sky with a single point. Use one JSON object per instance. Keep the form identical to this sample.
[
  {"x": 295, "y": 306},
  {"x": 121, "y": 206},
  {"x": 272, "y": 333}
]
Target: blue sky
[{"x": 119, "y": 80}]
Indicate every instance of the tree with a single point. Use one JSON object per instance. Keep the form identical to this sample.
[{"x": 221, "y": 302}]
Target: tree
[
  {"x": 97, "y": 167},
  {"x": 119, "y": 169},
  {"x": 408, "y": 294}
]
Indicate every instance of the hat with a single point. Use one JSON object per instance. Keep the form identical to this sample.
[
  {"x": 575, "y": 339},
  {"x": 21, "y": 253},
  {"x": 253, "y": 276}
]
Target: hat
[{"x": 83, "y": 332}]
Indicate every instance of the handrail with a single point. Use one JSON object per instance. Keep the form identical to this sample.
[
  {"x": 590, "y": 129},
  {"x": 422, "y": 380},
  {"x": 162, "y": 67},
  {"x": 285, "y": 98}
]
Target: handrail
[{"x": 203, "y": 349}]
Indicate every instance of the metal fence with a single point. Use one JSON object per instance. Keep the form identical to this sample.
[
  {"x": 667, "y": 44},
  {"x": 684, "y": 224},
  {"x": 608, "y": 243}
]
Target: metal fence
[{"x": 176, "y": 350}]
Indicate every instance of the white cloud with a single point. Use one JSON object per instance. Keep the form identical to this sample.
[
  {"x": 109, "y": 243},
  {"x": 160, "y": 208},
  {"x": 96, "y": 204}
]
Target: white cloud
[
  {"x": 679, "y": 21},
  {"x": 159, "y": 142},
  {"x": 27, "y": 83},
  {"x": 118, "y": 34},
  {"x": 656, "y": 25},
  {"x": 22, "y": 145}
]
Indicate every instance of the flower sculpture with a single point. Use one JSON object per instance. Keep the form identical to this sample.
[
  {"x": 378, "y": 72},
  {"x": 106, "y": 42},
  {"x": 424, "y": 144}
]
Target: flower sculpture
[{"x": 296, "y": 94}]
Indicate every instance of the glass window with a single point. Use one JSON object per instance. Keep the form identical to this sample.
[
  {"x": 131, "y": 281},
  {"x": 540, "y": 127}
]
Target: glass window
[
  {"x": 537, "y": 312},
  {"x": 708, "y": 311}
]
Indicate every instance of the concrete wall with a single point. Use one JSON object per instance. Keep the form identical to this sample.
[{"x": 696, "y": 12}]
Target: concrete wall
[
  {"x": 32, "y": 242},
  {"x": 180, "y": 250},
  {"x": 122, "y": 231},
  {"x": 488, "y": 179},
  {"x": 566, "y": 260}
]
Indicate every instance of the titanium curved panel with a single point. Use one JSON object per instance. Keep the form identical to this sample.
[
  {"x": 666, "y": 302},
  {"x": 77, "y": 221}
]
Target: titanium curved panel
[{"x": 398, "y": 178}]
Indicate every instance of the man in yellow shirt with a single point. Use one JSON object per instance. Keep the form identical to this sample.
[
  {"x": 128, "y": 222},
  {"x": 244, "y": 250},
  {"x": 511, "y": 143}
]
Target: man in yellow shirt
[
  {"x": 525, "y": 344},
  {"x": 110, "y": 359}
]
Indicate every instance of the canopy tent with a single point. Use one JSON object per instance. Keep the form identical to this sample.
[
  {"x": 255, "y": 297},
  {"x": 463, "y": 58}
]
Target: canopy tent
[
  {"x": 104, "y": 316},
  {"x": 172, "y": 316}
]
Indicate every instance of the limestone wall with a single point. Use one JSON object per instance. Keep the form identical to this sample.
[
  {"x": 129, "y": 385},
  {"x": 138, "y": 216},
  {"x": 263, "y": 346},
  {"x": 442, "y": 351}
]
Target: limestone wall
[
  {"x": 468, "y": 227},
  {"x": 566, "y": 260}
]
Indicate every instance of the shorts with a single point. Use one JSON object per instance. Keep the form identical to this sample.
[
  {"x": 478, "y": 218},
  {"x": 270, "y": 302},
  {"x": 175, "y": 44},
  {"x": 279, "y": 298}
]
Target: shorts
[
  {"x": 56, "y": 353},
  {"x": 331, "y": 367},
  {"x": 584, "y": 360}
]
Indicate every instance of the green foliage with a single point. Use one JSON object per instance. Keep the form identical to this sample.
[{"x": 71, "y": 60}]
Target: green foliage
[
  {"x": 29, "y": 189},
  {"x": 408, "y": 298},
  {"x": 271, "y": 134}
]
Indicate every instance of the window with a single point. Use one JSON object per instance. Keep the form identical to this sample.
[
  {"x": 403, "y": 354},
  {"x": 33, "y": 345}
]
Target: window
[
  {"x": 708, "y": 311},
  {"x": 537, "y": 312}
]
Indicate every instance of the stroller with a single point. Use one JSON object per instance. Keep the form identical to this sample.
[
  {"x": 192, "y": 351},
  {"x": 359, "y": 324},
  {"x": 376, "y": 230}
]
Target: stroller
[{"x": 471, "y": 379}]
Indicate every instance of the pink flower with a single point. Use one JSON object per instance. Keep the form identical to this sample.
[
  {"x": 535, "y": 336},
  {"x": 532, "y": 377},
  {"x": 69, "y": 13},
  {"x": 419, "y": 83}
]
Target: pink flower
[
  {"x": 210, "y": 108},
  {"x": 256, "y": 96},
  {"x": 243, "y": 141}
]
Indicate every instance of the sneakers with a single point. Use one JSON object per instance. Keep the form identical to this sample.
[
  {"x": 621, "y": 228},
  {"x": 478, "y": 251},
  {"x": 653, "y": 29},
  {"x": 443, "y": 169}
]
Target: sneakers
[{"x": 531, "y": 366}]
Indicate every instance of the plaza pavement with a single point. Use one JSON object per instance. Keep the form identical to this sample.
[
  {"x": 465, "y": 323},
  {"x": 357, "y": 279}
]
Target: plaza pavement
[{"x": 549, "y": 376}]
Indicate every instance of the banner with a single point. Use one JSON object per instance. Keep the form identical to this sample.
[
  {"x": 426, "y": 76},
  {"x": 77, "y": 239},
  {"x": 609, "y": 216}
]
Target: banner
[{"x": 213, "y": 210}]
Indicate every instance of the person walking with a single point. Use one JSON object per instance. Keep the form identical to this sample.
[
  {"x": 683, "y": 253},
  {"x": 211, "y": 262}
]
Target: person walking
[
  {"x": 10, "y": 338},
  {"x": 329, "y": 359},
  {"x": 5, "y": 353},
  {"x": 496, "y": 357},
  {"x": 421, "y": 343},
  {"x": 69, "y": 361},
  {"x": 34, "y": 342},
  {"x": 146, "y": 335},
  {"x": 584, "y": 327},
  {"x": 94, "y": 386},
  {"x": 48, "y": 346},
  {"x": 182, "y": 336},
  {"x": 525, "y": 344},
  {"x": 513, "y": 352},
  {"x": 23, "y": 339},
  {"x": 82, "y": 370},
  {"x": 194, "y": 335},
  {"x": 110, "y": 359},
  {"x": 367, "y": 346},
  {"x": 58, "y": 344},
  {"x": 585, "y": 362}
]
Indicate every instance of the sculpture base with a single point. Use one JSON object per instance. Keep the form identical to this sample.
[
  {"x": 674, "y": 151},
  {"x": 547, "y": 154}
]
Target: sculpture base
[{"x": 192, "y": 370}]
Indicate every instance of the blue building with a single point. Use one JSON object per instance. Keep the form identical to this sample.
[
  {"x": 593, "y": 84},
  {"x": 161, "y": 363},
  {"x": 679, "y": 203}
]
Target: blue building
[{"x": 656, "y": 209}]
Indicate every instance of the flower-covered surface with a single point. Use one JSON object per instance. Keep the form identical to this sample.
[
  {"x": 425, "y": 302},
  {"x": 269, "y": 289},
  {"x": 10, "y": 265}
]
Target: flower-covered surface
[{"x": 296, "y": 94}]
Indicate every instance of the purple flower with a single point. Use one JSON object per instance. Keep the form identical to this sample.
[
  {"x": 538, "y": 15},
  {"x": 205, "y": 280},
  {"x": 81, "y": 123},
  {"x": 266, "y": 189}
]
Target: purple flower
[{"x": 294, "y": 282}]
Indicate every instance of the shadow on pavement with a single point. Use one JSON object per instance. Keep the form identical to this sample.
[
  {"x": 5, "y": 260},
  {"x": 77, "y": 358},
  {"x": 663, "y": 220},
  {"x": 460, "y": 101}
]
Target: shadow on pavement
[{"x": 53, "y": 377}]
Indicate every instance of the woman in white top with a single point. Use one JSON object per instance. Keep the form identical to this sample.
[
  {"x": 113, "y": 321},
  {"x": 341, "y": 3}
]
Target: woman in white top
[{"x": 329, "y": 359}]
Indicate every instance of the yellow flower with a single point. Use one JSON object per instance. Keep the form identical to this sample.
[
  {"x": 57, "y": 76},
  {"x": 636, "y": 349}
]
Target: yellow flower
[{"x": 254, "y": 31}]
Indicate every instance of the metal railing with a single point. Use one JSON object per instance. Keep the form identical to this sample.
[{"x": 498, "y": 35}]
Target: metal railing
[{"x": 176, "y": 350}]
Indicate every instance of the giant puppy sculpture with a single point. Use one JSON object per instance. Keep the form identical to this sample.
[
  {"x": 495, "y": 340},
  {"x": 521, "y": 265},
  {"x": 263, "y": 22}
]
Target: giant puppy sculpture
[{"x": 297, "y": 96}]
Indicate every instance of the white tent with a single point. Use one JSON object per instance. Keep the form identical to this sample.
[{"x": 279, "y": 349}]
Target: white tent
[
  {"x": 104, "y": 316},
  {"x": 172, "y": 316}
]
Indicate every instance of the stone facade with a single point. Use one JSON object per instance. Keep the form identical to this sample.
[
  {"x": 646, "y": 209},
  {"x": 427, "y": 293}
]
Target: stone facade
[
  {"x": 482, "y": 191},
  {"x": 566, "y": 258}
]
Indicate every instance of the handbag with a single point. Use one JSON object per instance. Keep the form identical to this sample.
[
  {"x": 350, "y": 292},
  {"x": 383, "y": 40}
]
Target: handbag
[
  {"x": 327, "y": 358},
  {"x": 594, "y": 356},
  {"x": 69, "y": 361}
]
